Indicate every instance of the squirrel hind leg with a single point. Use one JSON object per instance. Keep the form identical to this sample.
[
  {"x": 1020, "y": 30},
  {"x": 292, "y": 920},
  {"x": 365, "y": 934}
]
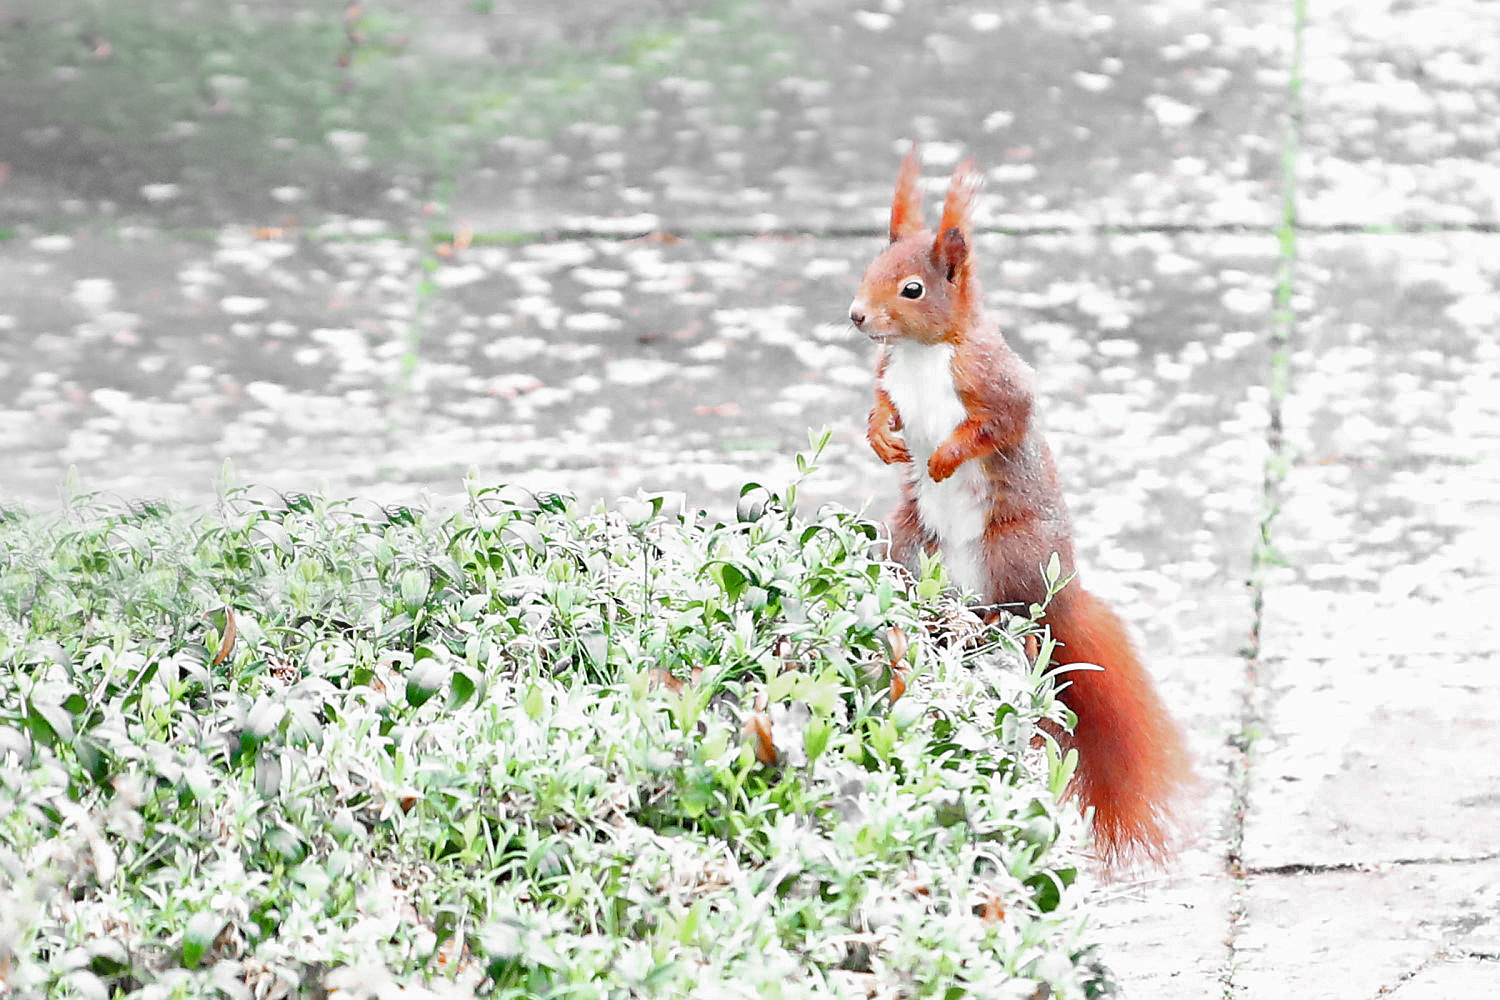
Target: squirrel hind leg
[{"x": 909, "y": 538}]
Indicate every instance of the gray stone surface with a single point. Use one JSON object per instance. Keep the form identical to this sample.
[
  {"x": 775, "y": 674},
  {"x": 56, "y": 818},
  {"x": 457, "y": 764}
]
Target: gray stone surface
[
  {"x": 1378, "y": 632},
  {"x": 1166, "y": 938},
  {"x": 1449, "y": 978},
  {"x": 1400, "y": 113},
  {"x": 146, "y": 359},
  {"x": 791, "y": 115},
  {"x": 1375, "y": 758},
  {"x": 1363, "y": 933},
  {"x": 736, "y": 115},
  {"x": 364, "y": 248},
  {"x": 1396, "y": 355}
]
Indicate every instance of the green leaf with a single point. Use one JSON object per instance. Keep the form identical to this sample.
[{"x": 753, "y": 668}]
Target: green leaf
[
  {"x": 92, "y": 755},
  {"x": 534, "y": 703},
  {"x": 107, "y": 956},
  {"x": 467, "y": 684},
  {"x": 815, "y": 737},
  {"x": 426, "y": 678},
  {"x": 85, "y": 985},
  {"x": 781, "y": 686},
  {"x": 595, "y": 647},
  {"x": 285, "y": 841},
  {"x": 263, "y": 719},
  {"x": 50, "y": 722},
  {"x": 268, "y": 774},
  {"x": 277, "y": 535},
  {"x": 201, "y": 932},
  {"x": 729, "y": 577},
  {"x": 415, "y": 584},
  {"x": 525, "y": 534},
  {"x": 397, "y": 626},
  {"x": 753, "y": 503}
]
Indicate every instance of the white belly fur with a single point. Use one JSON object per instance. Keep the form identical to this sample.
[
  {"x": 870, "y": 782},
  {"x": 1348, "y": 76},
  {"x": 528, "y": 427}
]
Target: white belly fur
[{"x": 919, "y": 380}]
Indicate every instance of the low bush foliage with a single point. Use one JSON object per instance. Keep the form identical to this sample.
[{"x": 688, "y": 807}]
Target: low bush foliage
[{"x": 517, "y": 749}]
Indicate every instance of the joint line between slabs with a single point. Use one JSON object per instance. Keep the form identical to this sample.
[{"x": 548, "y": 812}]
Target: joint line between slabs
[
  {"x": 1335, "y": 867},
  {"x": 1281, "y": 333}
]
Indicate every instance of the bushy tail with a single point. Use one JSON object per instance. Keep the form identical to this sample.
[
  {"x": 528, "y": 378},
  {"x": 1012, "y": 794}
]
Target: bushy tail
[{"x": 1133, "y": 764}]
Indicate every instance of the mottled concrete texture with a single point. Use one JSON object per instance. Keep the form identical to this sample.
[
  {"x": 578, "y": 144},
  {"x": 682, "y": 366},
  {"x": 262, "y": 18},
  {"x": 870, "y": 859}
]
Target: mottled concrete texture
[
  {"x": 1249, "y": 247},
  {"x": 1368, "y": 932},
  {"x": 1401, "y": 113}
]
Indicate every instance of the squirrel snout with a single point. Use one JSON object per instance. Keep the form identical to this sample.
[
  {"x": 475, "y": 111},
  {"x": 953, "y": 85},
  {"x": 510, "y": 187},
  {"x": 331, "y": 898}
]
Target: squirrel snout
[{"x": 857, "y": 316}]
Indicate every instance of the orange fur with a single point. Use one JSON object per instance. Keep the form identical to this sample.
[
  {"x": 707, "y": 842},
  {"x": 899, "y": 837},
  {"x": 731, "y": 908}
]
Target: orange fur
[
  {"x": 885, "y": 424},
  {"x": 1133, "y": 763},
  {"x": 906, "y": 206}
]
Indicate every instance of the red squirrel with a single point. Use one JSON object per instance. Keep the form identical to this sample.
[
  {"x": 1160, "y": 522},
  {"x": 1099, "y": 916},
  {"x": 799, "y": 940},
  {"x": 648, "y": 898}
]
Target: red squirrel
[{"x": 954, "y": 408}]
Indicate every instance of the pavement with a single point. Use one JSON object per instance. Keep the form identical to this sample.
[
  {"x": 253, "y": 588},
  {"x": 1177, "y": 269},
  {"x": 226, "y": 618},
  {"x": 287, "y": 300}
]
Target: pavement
[{"x": 1252, "y": 249}]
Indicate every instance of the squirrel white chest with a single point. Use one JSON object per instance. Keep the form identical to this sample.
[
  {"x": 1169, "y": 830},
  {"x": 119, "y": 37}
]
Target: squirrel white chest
[{"x": 919, "y": 380}]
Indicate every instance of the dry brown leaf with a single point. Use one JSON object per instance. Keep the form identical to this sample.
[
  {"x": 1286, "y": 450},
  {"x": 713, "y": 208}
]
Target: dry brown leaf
[
  {"x": 657, "y": 677},
  {"x": 897, "y": 642},
  {"x": 898, "y": 682},
  {"x": 226, "y": 645},
  {"x": 758, "y": 728},
  {"x": 1033, "y": 646}
]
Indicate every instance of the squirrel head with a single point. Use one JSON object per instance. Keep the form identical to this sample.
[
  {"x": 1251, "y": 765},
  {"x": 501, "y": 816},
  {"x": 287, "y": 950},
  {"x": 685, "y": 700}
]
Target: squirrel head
[{"x": 922, "y": 285}]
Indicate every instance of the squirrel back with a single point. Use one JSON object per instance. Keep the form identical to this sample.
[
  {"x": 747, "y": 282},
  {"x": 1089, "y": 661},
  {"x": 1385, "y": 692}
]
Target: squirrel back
[{"x": 954, "y": 408}]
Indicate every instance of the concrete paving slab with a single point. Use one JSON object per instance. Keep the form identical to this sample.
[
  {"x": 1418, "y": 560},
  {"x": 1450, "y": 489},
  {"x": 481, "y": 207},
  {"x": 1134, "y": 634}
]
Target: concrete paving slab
[
  {"x": 736, "y": 116},
  {"x": 1449, "y": 978},
  {"x": 748, "y": 117},
  {"x": 1350, "y": 935},
  {"x": 1395, "y": 358},
  {"x": 146, "y": 360},
  {"x": 1386, "y": 562},
  {"x": 1152, "y": 355},
  {"x": 1389, "y": 531},
  {"x": 1373, "y": 758},
  {"x": 1167, "y": 938},
  {"x": 1375, "y": 630},
  {"x": 1374, "y": 645},
  {"x": 1400, "y": 113}
]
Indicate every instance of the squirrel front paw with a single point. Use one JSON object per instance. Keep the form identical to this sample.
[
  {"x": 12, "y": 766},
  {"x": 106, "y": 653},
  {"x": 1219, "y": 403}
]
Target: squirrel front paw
[
  {"x": 888, "y": 447},
  {"x": 944, "y": 462}
]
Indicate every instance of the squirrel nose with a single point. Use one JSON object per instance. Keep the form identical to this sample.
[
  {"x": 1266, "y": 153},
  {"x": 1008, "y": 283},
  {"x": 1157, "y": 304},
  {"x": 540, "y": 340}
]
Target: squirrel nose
[{"x": 857, "y": 316}]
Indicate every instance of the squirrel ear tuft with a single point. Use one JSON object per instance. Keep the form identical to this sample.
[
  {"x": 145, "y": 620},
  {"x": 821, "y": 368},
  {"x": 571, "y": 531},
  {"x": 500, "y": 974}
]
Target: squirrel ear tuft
[
  {"x": 906, "y": 206},
  {"x": 950, "y": 252},
  {"x": 963, "y": 189}
]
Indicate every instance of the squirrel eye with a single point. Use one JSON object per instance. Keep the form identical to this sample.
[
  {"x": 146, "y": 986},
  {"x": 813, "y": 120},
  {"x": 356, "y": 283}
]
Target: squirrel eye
[{"x": 912, "y": 290}]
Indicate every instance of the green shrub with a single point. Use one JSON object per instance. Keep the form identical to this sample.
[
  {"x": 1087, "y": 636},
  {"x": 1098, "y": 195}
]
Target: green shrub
[{"x": 513, "y": 749}]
